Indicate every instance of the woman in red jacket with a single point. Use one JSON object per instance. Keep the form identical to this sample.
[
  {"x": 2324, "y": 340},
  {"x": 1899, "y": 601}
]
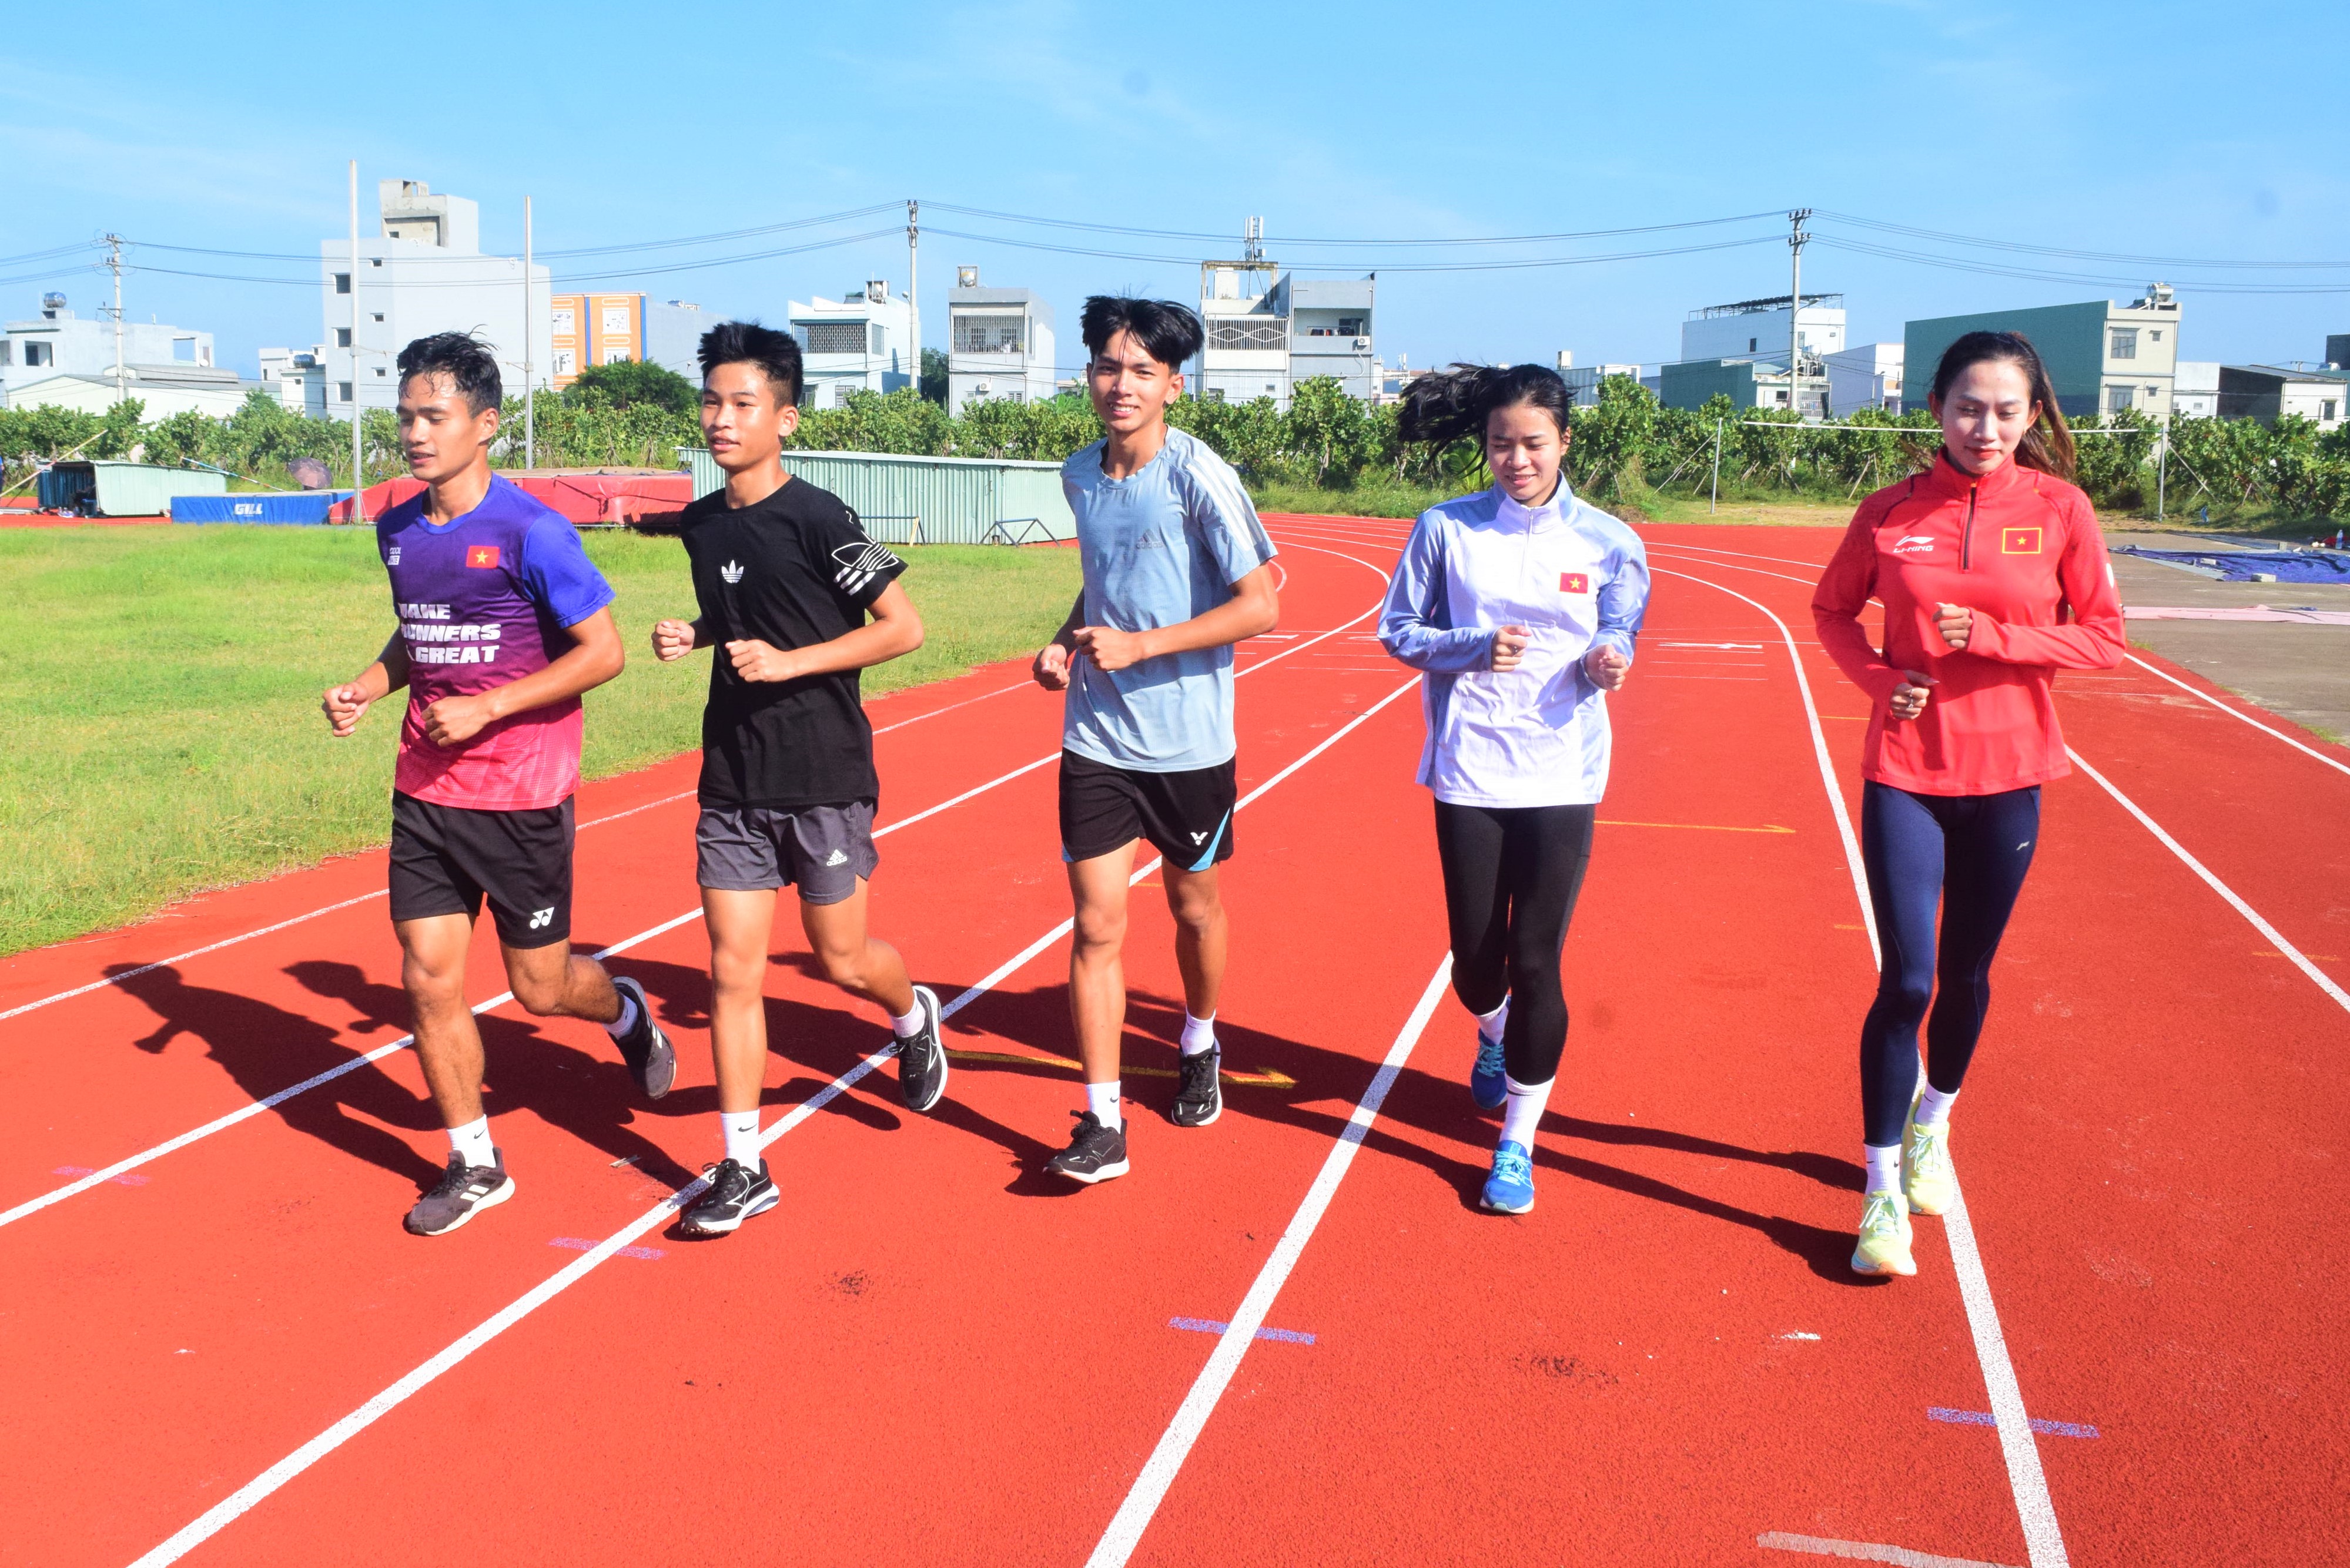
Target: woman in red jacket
[{"x": 1994, "y": 577}]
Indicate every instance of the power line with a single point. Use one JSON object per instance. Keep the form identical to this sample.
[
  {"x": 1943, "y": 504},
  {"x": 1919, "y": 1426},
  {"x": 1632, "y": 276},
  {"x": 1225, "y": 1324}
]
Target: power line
[
  {"x": 1370, "y": 266},
  {"x": 2081, "y": 256},
  {"x": 1222, "y": 239},
  {"x": 1957, "y": 263}
]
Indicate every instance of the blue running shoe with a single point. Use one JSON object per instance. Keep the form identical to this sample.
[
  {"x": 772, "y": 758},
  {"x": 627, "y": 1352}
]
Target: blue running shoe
[
  {"x": 1511, "y": 1189},
  {"x": 1489, "y": 1081}
]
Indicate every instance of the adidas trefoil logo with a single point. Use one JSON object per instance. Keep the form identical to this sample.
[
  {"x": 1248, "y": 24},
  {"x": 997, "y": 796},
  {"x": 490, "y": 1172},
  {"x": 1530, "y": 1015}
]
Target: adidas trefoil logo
[{"x": 731, "y": 571}]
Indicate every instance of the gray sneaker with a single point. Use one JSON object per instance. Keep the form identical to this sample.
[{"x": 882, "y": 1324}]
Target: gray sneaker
[
  {"x": 922, "y": 1056},
  {"x": 651, "y": 1063},
  {"x": 464, "y": 1191}
]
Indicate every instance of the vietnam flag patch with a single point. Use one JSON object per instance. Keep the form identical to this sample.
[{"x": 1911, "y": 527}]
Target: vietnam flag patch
[
  {"x": 2019, "y": 541},
  {"x": 1573, "y": 583},
  {"x": 487, "y": 555}
]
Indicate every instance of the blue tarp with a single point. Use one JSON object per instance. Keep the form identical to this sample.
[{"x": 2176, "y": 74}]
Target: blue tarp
[
  {"x": 2246, "y": 565},
  {"x": 292, "y": 506}
]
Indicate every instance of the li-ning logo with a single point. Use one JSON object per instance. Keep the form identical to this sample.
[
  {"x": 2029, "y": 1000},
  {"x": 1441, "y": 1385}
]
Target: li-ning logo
[
  {"x": 1573, "y": 583},
  {"x": 860, "y": 564},
  {"x": 391, "y": 556},
  {"x": 482, "y": 556},
  {"x": 731, "y": 571},
  {"x": 1914, "y": 545}
]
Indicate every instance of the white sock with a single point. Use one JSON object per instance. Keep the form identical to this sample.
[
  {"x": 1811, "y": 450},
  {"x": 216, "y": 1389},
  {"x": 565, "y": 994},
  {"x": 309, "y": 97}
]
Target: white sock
[
  {"x": 1883, "y": 1167},
  {"x": 906, "y": 1028},
  {"x": 628, "y": 1019},
  {"x": 1491, "y": 1024},
  {"x": 1102, "y": 1100},
  {"x": 1199, "y": 1033},
  {"x": 741, "y": 1137},
  {"x": 1522, "y": 1113},
  {"x": 1934, "y": 1106},
  {"x": 473, "y": 1141}
]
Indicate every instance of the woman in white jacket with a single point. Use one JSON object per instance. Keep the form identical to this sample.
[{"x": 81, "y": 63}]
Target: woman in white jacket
[{"x": 1521, "y": 604}]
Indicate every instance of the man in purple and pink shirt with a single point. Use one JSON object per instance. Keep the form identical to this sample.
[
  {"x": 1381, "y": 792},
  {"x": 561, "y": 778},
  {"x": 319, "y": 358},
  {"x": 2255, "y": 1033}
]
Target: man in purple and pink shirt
[{"x": 504, "y": 622}]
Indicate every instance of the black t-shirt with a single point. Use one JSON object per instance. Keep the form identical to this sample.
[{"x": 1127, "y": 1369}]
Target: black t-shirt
[{"x": 792, "y": 571}]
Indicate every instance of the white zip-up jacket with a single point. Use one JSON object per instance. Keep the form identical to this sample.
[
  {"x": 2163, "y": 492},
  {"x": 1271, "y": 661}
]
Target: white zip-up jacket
[{"x": 1570, "y": 574}]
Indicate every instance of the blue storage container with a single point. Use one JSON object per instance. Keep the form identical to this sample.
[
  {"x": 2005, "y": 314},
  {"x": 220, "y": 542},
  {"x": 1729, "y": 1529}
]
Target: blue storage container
[{"x": 300, "y": 506}]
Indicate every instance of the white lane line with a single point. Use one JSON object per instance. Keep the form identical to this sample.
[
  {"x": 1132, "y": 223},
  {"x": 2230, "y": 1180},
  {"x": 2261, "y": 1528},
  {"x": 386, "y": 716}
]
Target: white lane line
[
  {"x": 2205, "y": 697},
  {"x": 2044, "y": 1540},
  {"x": 1742, "y": 554},
  {"x": 1864, "y": 1551},
  {"x": 244, "y": 1497},
  {"x": 1150, "y": 1489},
  {"x": 2276, "y": 938},
  {"x": 885, "y": 729},
  {"x": 221, "y": 1123}
]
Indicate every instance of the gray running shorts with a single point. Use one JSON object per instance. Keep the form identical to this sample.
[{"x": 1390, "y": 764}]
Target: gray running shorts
[{"x": 750, "y": 849}]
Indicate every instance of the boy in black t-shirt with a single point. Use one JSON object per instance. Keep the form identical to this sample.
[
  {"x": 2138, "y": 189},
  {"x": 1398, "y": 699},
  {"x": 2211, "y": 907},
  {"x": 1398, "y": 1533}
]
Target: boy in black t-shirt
[{"x": 786, "y": 578}]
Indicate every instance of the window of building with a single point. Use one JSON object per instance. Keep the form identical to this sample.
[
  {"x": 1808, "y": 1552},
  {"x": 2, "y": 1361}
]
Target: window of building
[
  {"x": 2154, "y": 334},
  {"x": 379, "y": 370},
  {"x": 342, "y": 337},
  {"x": 565, "y": 361},
  {"x": 835, "y": 337},
  {"x": 1351, "y": 327},
  {"x": 2118, "y": 397},
  {"x": 1749, "y": 345},
  {"x": 842, "y": 392},
  {"x": 1781, "y": 396},
  {"x": 40, "y": 354},
  {"x": 375, "y": 261},
  {"x": 977, "y": 333},
  {"x": 376, "y": 316},
  {"x": 343, "y": 391},
  {"x": 876, "y": 349},
  {"x": 2325, "y": 407},
  {"x": 2124, "y": 342},
  {"x": 618, "y": 354},
  {"x": 1215, "y": 394},
  {"x": 8, "y": 351},
  {"x": 1247, "y": 332},
  {"x": 342, "y": 283}
]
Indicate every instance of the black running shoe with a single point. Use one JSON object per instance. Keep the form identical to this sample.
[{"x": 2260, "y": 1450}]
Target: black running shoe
[
  {"x": 1200, "y": 1097},
  {"x": 1096, "y": 1153},
  {"x": 645, "y": 1048},
  {"x": 922, "y": 1057},
  {"x": 734, "y": 1195},
  {"x": 462, "y": 1191}
]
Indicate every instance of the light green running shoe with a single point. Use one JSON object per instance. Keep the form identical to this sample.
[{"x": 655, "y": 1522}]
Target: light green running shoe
[
  {"x": 1883, "y": 1246},
  {"x": 1928, "y": 1178}
]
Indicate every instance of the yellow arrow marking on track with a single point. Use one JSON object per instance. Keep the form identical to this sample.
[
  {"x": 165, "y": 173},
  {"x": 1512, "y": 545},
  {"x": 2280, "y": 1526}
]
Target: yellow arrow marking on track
[{"x": 1262, "y": 1078}]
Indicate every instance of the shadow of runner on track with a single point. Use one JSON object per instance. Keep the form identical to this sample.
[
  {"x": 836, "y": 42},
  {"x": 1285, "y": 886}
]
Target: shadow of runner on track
[
  {"x": 589, "y": 1096},
  {"x": 264, "y": 1048}
]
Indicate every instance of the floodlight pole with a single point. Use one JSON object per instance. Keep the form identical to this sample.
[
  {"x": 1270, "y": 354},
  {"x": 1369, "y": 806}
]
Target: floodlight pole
[
  {"x": 529, "y": 338},
  {"x": 359, "y": 473}
]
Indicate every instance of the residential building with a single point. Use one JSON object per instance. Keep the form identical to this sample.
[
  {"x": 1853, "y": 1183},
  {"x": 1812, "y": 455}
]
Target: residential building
[
  {"x": 1748, "y": 383},
  {"x": 1759, "y": 326},
  {"x": 1267, "y": 330},
  {"x": 1866, "y": 377},
  {"x": 2266, "y": 392},
  {"x": 586, "y": 329},
  {"x": 57, "y": 342},
  {"x": 2102, "y": 358},
  {"x": 861, "y": 342},
  {"x": 297, "y": 378},
  {"x": 2337, "y": 350},
  {"x": 422, "y": 273},
  {"x": 2195, "y": 388},
  {"x": 999, "y": 344},
  {"x": 1330, "y": 331},
  {"x": 162, "y": 391},
  {"x": 1583, "y": 380}
]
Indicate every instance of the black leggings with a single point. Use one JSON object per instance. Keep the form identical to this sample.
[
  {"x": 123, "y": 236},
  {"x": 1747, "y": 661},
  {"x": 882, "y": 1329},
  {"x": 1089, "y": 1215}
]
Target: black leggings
[
  {"x": 1967, "y": 853},
  {"x": 1511, "y": 877}
]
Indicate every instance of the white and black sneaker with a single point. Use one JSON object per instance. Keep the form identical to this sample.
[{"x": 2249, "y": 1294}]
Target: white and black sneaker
[
  {"x": 651, "y": 1063},
  {"x": 733, "y": 1196},
  {"x": 922, "y": 1056},
  {"x": 1096, "y": 1153},
  {"x": 462, "y": 1191},
  {"x": 1200, "y": 1094}
]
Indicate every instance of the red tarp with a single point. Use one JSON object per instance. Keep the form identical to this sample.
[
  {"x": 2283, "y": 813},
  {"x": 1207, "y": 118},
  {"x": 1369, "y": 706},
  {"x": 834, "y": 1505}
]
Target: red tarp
[{"x": 588, "y": 496}]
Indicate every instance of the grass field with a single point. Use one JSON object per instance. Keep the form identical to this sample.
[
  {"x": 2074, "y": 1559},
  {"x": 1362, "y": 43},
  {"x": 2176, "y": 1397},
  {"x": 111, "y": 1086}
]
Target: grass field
[{"x": 159, "y": 689}]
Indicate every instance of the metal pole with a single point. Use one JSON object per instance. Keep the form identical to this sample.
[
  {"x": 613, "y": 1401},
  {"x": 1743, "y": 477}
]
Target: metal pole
[
  {"x": 529, "y": 365},
  {"x": 114, "y": 260},
  {"x": 359, "y": 473},
  {"x": 1795, "y": 239},
  {"x": 1713, "y": 502},
  {"x": 2162, "y": 468},
  {"x": 914, "y": 285}
]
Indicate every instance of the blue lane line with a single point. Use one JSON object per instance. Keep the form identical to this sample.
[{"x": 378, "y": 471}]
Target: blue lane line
[
  {"x": 1984, "y": 1418},
  {"x": 1210, "y": 1325}
]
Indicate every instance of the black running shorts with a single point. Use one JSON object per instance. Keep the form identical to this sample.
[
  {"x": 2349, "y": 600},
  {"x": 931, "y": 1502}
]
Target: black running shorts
[
  {"x": 1187, "y": 816},
  {"x": 446, "y": 858}
]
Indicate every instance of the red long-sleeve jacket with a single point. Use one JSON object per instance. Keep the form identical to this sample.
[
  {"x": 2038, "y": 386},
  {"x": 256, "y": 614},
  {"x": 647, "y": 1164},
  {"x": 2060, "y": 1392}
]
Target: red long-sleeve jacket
[{"x": 2022, "y": 549}]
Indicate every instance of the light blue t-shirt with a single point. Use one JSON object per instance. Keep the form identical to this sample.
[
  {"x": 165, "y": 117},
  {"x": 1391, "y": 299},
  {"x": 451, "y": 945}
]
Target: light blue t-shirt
[{"x": 1160, "y": 547}]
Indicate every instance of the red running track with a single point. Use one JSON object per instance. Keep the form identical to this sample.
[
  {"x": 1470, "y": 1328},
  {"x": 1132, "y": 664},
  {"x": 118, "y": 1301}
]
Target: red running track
[{"x": 230, "y": 1352}]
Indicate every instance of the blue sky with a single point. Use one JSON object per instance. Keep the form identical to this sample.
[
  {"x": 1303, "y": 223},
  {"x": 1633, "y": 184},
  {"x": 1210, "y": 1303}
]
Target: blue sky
[{"x": 2144, "y": 130}]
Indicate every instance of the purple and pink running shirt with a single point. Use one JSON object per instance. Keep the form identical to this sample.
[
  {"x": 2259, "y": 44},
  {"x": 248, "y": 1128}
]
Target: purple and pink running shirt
[{"x": 482, "y": 601}]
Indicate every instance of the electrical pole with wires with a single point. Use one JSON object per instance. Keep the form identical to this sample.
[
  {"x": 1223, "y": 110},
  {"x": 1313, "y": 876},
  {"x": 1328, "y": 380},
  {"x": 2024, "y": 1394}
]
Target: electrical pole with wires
[
  {"x": 1796, "y": 239},
  {"x": 358, "y": 459},
  {"x": 914, "y": 285},
  {"x": 114, "y": 264},
  {"x": 529, "y": 338}
]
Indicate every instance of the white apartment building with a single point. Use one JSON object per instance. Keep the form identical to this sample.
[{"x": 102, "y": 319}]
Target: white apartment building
[
  {"x": 861, "y": 342},
  {"x": 1866, "y": 377},
  {"x": 61, "y": 359},
  {"x": 1752, "y": 328},
  {"x": 999, "y": 344},
  {"x": 2195, "y": 388},
  {"x": 422, "y": 273},
  {"x": 1583, "y": 380},
  {"x": 1266, "y": 330}
]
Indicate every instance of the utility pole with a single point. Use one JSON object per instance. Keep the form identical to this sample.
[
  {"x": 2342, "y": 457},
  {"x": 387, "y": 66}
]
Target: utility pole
[
  {"x": 114, "y": 262},
  {"x": 1796, "y": 239},
  {"x": 1713, "y": 502},
  {"x": 2162, "y": 465},
  {"x": 359, "y": 473},
  {"x": 914, "y": 285},
  {"x": 529, "y": 338}
]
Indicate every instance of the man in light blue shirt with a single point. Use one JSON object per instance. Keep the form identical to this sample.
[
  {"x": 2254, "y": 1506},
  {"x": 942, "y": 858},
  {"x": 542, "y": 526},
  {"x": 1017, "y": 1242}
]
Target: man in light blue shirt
[{"x": 1177, "y": 570}]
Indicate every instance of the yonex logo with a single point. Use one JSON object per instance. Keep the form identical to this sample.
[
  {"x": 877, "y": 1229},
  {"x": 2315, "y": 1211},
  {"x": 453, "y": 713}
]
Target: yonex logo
[
  {"x": 731, "y": 571},
  {"x": 837, "y": 857},
  {"x": 541, "y": 918},
  {"x": 1574, "y": 582},
  {"x": 2020, "y": 541},
  {"x": 482, "y": 556}
]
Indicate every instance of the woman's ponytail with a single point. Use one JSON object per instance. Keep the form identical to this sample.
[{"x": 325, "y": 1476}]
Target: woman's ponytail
[{"x": 1445, "y": 406}]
